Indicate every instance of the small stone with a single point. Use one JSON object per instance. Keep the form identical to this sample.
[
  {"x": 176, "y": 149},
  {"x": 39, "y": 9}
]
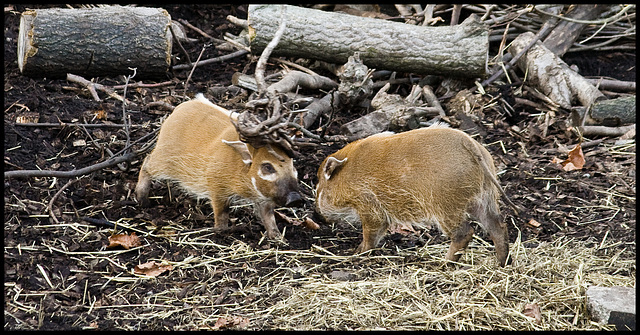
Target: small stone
[
  {"x": 342, "y": 275},
  {"x": 613, "y": 305}
]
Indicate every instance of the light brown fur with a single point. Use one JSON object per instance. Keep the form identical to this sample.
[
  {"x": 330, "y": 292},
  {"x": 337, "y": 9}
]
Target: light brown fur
[
  {"x": 198, "y": 147},
  {"x": 429, "y": 174}
]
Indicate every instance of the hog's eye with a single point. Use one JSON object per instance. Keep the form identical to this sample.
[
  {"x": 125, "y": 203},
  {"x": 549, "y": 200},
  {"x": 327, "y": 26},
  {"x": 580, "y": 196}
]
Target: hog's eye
[{"x": 267, "y": 168}]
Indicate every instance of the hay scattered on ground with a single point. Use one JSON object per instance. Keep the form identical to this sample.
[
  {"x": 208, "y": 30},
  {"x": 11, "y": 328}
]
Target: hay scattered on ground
[
  {"x": 317, "y": 290},
  {"x": 418, "y": 292},
  {"x": 216, "y": 286}
]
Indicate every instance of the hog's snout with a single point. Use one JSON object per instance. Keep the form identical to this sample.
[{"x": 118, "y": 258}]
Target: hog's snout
[{"x": 294, "y": 199}]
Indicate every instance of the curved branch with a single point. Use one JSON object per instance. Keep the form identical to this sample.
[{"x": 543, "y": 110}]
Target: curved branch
[{"x": 73, "y": 173}]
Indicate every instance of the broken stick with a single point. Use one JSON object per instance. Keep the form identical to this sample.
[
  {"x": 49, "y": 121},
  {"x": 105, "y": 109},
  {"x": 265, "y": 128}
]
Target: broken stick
[{"x": 552, "y": 76}]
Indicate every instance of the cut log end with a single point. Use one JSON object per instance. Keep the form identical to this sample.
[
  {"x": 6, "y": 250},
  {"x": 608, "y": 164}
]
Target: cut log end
[{"x": 94, "y": 41}]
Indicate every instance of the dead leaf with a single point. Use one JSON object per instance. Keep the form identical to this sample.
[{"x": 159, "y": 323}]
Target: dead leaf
[
  {"x": 100, "y": 114},
  {"x": 152, "y": 269},
  {"x": 124, "y": 240},
  {"x": 575, "y": 161},
  {"x": 533, "y": 311},
  {"x": 310, "y": 224},
  {"x": 307, "y": 222},
  {"x": 403, "y": 228},
  {"x": 534, "y": 223},
  {"x": 231, "y": 321}
]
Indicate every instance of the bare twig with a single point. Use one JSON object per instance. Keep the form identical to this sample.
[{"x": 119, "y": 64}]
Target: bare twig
[
  {"x": 86, "y": 170},
  {"x": 432, "y": 99},
  {"x": 211, "y": 60},
  {"x": 294, "y": 79},
  {"x": 88, "y": 125},
  {"x": 603, "y": 21},
  {"x": 143, "y": 85},
  {"x": 614, "y": 85},
  {"x": 175, "y": 37},
  {"x": 73, "y": 173},
  {"x": 540, "y": 35},
  {"x": 55, "y": 196},
  {"x": 455, "y": 15},
  {"x": 238, "y": 22},
  {"x": 199, "y": 31},
  {"x": 125, "y": 119},
  {"x": 297, "y": 66},
  {"x": 92, "y": 87},
  {"x": 605, "y": 131},
  {"x": 186, "y": 83}
]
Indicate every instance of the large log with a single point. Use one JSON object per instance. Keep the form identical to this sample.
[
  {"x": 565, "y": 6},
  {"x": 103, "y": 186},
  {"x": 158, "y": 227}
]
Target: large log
[
  {"x": 94, "y": 41},
  {"x": 460, "y": 50}
]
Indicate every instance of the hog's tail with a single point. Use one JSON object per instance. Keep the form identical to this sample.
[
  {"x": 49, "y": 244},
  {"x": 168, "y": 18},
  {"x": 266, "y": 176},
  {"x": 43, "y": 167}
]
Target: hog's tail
[{"x": 477, "y": 155}]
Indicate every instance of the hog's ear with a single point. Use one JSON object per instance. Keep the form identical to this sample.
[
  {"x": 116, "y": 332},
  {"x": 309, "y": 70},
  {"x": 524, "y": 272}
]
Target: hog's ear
[
  {"x": 242, "y": 149},
  {"x": 331, "y": 165}
]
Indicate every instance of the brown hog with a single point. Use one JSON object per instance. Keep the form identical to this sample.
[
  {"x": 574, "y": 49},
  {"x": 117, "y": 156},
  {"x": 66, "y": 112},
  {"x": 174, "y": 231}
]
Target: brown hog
[
  {"x": 429, "y": 174},
  {"x": 198, "y": 147}
]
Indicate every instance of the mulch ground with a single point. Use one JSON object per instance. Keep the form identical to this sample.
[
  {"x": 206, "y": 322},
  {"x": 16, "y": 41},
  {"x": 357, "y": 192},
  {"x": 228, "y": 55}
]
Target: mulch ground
[{"x": 59, "y": 274}]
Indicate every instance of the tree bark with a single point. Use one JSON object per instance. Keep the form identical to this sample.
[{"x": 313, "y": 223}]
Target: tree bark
[
  {"x": 553, "y": 76},
  {"x": 615, "y": 112},
  {"x": 566, "y": 33},
  {"x": 461, "y": 50},
  {"x": 95, "y": 41}
]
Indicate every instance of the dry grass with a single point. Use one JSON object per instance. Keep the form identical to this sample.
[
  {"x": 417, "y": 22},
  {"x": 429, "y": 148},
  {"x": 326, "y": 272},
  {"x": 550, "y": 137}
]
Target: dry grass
[
  {"x": 413, "y": 290},
  {"x": 423, "y": 294}
]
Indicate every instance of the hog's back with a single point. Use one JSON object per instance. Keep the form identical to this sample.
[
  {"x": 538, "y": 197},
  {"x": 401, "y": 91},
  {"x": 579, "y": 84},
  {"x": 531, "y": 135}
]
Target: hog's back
[{"x": 186, "y": 144}]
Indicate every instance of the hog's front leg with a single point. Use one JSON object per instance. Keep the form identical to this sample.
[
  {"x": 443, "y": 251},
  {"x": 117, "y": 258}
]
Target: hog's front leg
[
  {"x": 268, "y": 220},
  {"x": 220, "y": 214},
  {"x": 373, "y": 230}
]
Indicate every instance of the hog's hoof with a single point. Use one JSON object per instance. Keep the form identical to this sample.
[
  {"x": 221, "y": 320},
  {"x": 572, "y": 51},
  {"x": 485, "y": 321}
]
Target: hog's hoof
[
  {"x": 278, "y": 240},
  {"x": 362, "y": 249},
  {"x": 221, "y": 229},
  {"x": 143, "y": 202}
]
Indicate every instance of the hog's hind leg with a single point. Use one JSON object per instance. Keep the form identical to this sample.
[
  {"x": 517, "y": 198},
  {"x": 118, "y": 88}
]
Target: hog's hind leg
[
  {"x": 487, "y": 212},
  {"x": 460, "y": 238}
]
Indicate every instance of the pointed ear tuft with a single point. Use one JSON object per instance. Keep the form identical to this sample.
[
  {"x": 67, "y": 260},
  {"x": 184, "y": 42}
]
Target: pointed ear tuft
[
  {"x": 242, "y": 149},
  {"x": 332, "y": 165}
]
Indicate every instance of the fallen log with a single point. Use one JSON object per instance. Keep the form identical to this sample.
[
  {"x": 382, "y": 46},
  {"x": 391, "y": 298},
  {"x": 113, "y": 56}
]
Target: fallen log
[
  {"x": 613, "y": 112},
  {"x": 94, "y": 41},
  {"x": 460, "y": 50},
  {"x": 552, "y": 76}
]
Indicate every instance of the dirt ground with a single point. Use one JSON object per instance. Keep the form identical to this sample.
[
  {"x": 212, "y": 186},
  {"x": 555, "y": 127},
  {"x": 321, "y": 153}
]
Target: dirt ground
[{"x": 60, "y": 276}]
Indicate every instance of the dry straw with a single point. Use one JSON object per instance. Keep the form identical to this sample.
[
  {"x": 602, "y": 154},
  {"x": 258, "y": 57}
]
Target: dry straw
[{"x": 417, "y": 290}]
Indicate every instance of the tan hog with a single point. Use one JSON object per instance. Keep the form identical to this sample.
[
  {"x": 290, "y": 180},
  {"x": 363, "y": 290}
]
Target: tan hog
[
  {"x": 198, "y": 147},
  {"x": 430, "y": 174}
]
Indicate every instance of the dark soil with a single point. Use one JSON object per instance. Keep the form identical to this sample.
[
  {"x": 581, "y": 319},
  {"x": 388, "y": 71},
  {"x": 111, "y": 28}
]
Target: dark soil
[{"x": 596, "y": 203}]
